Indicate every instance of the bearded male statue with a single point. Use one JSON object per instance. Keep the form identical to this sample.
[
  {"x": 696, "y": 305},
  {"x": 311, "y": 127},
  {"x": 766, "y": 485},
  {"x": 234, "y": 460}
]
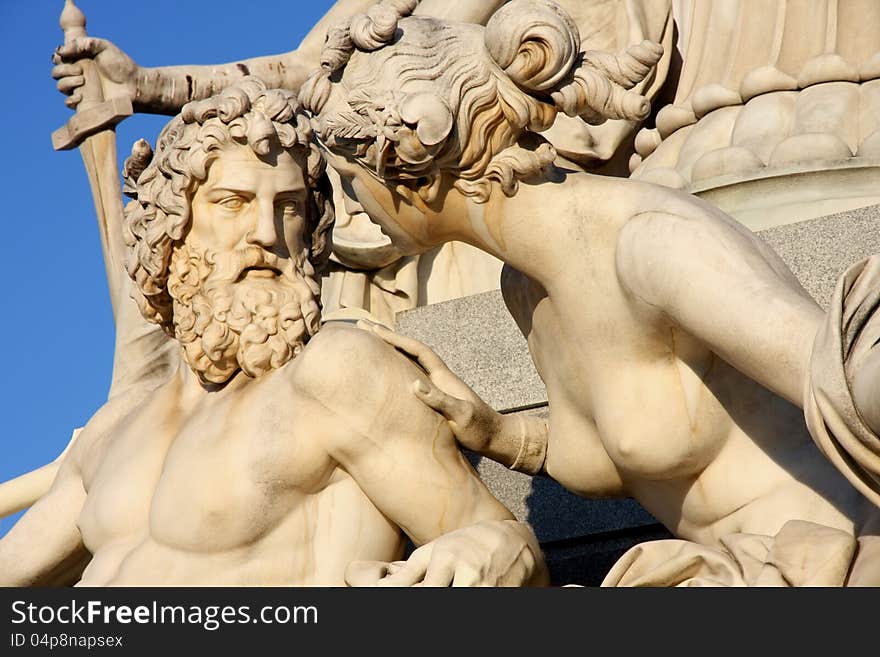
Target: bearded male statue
[{"x": 275, "y": 454}]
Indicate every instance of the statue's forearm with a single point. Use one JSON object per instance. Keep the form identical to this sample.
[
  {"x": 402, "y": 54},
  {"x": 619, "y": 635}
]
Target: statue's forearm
[
  {"x": 521, "y": 443},
  {"x": 21, "y": 492},
  {"x": 166, "y": 89}
]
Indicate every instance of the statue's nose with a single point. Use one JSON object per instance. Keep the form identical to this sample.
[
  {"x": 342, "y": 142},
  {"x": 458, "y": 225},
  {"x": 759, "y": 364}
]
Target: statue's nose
[{"x": 263, "y": 232}]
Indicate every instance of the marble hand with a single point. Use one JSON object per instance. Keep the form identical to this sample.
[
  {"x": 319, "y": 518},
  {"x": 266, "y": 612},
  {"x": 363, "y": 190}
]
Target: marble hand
[
  {"x": 473, "y": 422},
  {"x": 118, "y": 70},
  {"x": 489, "y": 553}
]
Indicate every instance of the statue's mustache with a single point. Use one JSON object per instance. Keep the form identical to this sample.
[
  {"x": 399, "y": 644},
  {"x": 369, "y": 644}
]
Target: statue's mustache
[{"x": 231, "y": 266}]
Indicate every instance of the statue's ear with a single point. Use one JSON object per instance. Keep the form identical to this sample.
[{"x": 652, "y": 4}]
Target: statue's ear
[
  {"x": 429, "y": 191},
  {"x": 430, "y": 115}
]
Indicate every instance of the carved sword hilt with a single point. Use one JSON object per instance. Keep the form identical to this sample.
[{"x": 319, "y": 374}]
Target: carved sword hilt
[{"x": 93, "y": 113}]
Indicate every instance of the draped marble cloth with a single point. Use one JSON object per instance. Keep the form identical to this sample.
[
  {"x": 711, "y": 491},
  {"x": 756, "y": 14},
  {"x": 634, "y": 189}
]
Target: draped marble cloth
[
  {"x": 802, "y": 553},
  {"x": 851, "y": 331}
]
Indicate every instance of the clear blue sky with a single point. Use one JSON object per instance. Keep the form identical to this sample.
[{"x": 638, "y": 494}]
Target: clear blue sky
[{"x": 57, "y": 328}]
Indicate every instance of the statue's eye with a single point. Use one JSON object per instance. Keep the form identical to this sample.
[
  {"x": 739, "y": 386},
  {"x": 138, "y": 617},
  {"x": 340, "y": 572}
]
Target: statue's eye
[
  {"x": 289, "y": 206},
  {"x": 232, "y": 202}
]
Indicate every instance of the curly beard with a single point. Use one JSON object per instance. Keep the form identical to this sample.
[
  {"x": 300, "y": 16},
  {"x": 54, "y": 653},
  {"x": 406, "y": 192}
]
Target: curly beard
[{"x": 226, "y": 321}]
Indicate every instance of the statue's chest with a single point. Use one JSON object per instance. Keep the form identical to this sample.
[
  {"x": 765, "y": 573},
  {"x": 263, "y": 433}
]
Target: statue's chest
[
  {"x": 221, "y": 476},
  {"x": 120, "y": 471},
  {"x": 638, "y": 392}
]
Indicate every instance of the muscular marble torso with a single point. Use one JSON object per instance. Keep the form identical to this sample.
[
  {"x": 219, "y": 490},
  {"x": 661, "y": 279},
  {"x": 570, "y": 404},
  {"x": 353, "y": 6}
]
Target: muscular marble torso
[{"x": 185, "y": 488}]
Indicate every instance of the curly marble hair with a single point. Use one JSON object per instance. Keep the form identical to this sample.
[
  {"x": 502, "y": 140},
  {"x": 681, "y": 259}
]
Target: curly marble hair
[
  {"x": 411, "y": 97},
  {"x": 162, "y": 185}
]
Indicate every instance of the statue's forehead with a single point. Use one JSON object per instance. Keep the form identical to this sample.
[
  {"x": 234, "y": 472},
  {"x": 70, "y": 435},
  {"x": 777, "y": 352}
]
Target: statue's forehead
[{"x": 238, "y": 166}]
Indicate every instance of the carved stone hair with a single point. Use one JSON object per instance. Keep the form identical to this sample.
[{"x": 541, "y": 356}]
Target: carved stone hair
[
  {"x": 162, "y": 185},
  {"x": 412, "y": 97}
]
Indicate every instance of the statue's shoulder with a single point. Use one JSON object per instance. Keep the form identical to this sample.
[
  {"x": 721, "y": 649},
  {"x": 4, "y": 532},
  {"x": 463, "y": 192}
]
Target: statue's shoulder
[
  {"x": 338, "y": 359},
  {"x": 106, "y": 424},
  {"x": 342, "y": 343},
  {"x": 349, "y": 378}
]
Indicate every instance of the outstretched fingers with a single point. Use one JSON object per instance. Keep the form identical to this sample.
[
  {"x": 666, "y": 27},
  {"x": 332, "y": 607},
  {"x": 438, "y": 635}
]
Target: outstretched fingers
[
  {"x": 426, "y": 567},
  {"x": 410, "y": 572},
  {"x": 452, "y": 408},
  {"x": 370, "y": 573},
  {"x": 421, "y": 352},
  {"x": 443, "y": 391},
  {"x": 442, "y": 572}
]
